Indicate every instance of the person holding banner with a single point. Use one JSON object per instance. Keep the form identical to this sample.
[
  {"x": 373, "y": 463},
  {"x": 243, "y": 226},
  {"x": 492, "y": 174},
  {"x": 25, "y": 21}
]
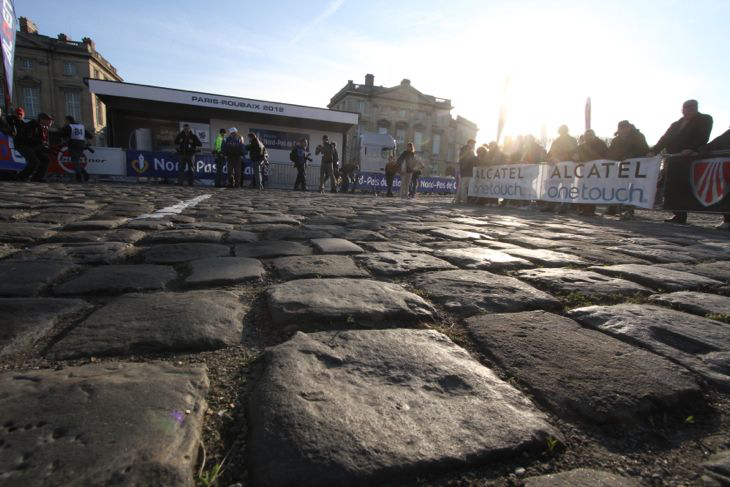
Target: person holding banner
[
  {"x": 628, "y": 143},
  {"x": 561, "y": 150},
  {"x": 591, "y": 149},
  {"x": 684, "y": 137}
]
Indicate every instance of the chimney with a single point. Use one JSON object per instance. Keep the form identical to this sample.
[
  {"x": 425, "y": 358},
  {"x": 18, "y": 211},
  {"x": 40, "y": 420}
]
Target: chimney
[
  {"x": 405, "y": 82},
  {"x": 27, "y": 26},
  {"x": 369, "y": 80},
  {"x": 89, "y": 43},
  {"x": 63, "y": 37}
]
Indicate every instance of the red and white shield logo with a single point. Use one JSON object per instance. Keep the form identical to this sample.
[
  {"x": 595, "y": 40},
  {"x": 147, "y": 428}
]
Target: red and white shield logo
[{"x": 710, "y": 180}]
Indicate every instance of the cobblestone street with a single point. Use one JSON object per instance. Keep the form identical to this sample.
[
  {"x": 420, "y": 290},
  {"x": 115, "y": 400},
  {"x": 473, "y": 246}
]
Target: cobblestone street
[{"x": 152, "y": 333}]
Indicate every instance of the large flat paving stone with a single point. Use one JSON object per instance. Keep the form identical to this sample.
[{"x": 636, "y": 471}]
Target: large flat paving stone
[
  {"x": 720, "y": 271},
  {"x": 700, "y": 344},
  {"x": 467, "y": 293},
  {"x": 102, "y": 424},
  {"x": 323, "y": 301},
  {"x": 241, "y": 236},
  {"x": 221, "y": 271},
  {"x": 22, "y": 232},
  {"x": 116, "y": 279},
  {"x": 29, "y": 278},
  {"x": 157, "y": 322},
  {"x": 306, "y": 266},
  {"x": 482, "y": 258},
  {"x": 25, "y": 320},
  {"x": 399, "y": 263},
  {"x": 95, "y": 224},
  {"x": 273, "y": 248},
  {"x": 581, "y": 477},
  {"x": 598, "y": 255},
  {"x": 663, "y": 254},
  {"x": 395, "y": 246},
  {"x": 454, "y": 234},
  {"x": 364, "y": 407},
  {"x": 80, "y": 253},
  {"x": 126, "y": 235},
  {"x": 695, "y": 302},
  {"x": 579, "y": 372},
  {"x": 547, "y": 258},
  {"x": 184, "y": 235},
  {"x": 587, "y": 283},
  {"x": 336, "y": 246},
  {"x": 657, "y": 277},
  {"x": 183, "y": 252}
]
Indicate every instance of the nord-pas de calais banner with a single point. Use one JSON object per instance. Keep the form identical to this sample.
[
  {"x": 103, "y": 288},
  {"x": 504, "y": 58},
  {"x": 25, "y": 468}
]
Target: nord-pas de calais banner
[
  {"x": 602, "y": 182},
  {"x": 152, "y": 164},
  {"x": 374, "y": 181},
  {"x": 514, "y": 181},
  {"x": 273, "y": 139},
  {"x": 697, "y": 184}
]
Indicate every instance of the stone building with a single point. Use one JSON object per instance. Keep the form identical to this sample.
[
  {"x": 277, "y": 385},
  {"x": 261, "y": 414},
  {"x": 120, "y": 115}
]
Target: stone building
[
  {"x": 49, "y": 77},
  {"x": 409, "y": 116}
]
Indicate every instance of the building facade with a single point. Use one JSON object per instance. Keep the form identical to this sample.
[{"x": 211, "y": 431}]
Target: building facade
[
  {"x": 50, "y": 76},
  {"x": 408, "y": 116}
]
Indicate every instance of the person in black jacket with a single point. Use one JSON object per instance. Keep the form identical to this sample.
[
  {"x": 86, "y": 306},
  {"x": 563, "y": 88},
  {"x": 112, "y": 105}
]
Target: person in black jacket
[
  {"x": 75, "y": 135},
  {"x": 628, "y": 143},
  {"x": 257, "y": 153},
  {"x": 684, "y": 137},
  {"x": 187, "y": 145},
  {"x": 591, "y": 149},
  {"x": 16, "y": 123},
  {"x": 33, "y": 142},
  {"x": 326, "y": 169}
]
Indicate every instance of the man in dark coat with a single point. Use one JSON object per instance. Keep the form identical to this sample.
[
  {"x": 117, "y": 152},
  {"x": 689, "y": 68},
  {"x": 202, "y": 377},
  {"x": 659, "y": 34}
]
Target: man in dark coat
[
  {"x": 684, "y": 137},
  {"x": 187, "y": 145},
  {"x": 628, "y": 143},
  {"x": 33, "y": 142},
  {"x": 591, "y": 149}
]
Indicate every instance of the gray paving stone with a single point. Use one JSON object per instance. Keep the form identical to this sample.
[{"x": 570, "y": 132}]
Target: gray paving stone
[
  {"x": 695, "y": 302},
  {"x": 95, "y": 224},
  {"x": 155, "y": 224},
  {"x": 80, "y": 253},
  {"x": 305, "y": 266},
  {"x": 395, "y": 246},
  {"x": 578, "y": 372},
  {"x": 700, "y": 344},
  {"x": 274, "y": 248},
  {"x": 324, "y": 301},
  {"x": 115, "y": 279},
  {"x": 586, "y": 283},
  {"x": 482, "y": 258},
  {"x": 718, "y": 467},
  {"x": 184, "y": 252},
  {"x": 664, "y": 254},
  {"x": 547, "y": 258},
  {"x": 25, "y": 320},
  {"x": 184, "y": 235},
  {"x": 581, "y": 477},
  {"x": 22, "y": 232},
  {"x": 221, "y": 271},
  {"x": 240, "y": 236},
  {"x": 400, "y": 263},
  {"x": 276, "y": 219},
  {"x": 157, "y": 322},
  {"x": 453, "y": 234},
  {"x": 6, "y": 250},
  {"x": 533, "y": 242},
  {"x": 29, "y": 278},
  {"x": 336, "y": 246},
  {"x": 720, "y": 271},
  {"x": 362, "y": 407},
  {"x": 126, "y": 235},
  {"x": 102, "y": 424},
  {"x": 599, "y": 255},
  {"x": 467, "y": 293},
  {"x": 657, "y": 277},
  {"x": 296, "y": 233}
]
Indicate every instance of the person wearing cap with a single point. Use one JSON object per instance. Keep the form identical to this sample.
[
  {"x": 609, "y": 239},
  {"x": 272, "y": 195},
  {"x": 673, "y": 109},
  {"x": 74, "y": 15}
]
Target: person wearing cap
[
  {"x": 75, "y": 135},
  {"x": 16, "y": 122},
  {"x": 33, "y": 142},
  {"x": 234, "y": 149},
  {"x": 326, "y": 169},
  {"x": 187, "y": 145},
  {"x": 220, "y": 159},
  {"x": 684, "y": 137}
]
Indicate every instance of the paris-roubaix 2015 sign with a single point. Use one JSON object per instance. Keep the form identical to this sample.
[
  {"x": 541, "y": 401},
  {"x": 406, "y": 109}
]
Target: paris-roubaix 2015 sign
[{"x": 602, "y": 182}]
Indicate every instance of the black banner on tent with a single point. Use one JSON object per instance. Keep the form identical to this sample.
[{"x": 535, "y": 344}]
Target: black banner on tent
[{"x": 697, "y": 184}]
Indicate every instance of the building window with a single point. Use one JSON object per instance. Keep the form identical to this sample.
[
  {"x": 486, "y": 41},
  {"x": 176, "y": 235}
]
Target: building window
[
  {"x": 73, "y": 104},
  {"x": 96, "y": 74},
  {"x": 436, "y": 148},
  {"x": 31, "y": 101},
  {"x": 69, "y": 69},
  {"x": 417, "y": 140},
  {"x": 361, "y": 107},
  {"x": 400, "y": 136},
  {"x": 99, "y": 111},
  {"x": 382, "y": 130},
  {"x": 26, "y": 63}
]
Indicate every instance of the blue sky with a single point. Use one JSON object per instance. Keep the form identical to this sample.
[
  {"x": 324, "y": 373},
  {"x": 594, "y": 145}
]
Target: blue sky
[{"x": 637, "y": 60}]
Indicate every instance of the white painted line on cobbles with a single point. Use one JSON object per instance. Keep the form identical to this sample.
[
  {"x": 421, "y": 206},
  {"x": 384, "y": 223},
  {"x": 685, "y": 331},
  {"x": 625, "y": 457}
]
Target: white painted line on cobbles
[{"x": 174, "y": 209}]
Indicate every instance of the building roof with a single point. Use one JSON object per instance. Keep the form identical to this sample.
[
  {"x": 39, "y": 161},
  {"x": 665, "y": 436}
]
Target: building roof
[
  {"x": 220, "y": 102},
  {"x": 369, "y": 90}
]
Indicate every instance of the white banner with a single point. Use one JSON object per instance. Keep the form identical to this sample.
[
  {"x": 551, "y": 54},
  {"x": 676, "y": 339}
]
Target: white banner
[
  {"x": 514, "y": 182},
  {"x": 104, "y": 161},
  {"x": 602, "y": 182}
]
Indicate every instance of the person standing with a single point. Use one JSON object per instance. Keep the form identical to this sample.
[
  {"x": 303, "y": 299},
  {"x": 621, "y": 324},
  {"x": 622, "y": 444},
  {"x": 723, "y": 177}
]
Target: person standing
[
  {"x": 326, "y": 170},
  {"x": 628, "y": 143},
  {"x": 466, "y": 171},
  {"x": 466, "y": 158},
  {"x": 220, "y": 159},
  {"x": 391, "y": 169},
  {"x": 187, "y": 146},
  {"x": 417, "y": 170},
  {"x": 590, "y": 149},
  {"x": 407, "y": 163},
  {"x": 234, "y": 149},
  {"x": 16, "y": 123},
  {"x": 34, "y": 144},
  {"x": 76, "y": 135},
  {"x": 563, "y": 148},
  {"x": 301, "y": 157},
  {"x": 257, "y": 153}
]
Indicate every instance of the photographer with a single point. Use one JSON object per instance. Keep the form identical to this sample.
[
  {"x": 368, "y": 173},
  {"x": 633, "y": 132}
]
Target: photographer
[
  {"x": 187, "y": 146},
  {"x": 75, "y": 135},
  {"x": 326, "y": 170}
]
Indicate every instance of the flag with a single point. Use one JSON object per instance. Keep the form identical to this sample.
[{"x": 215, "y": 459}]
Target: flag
[
  {"x": 588, "y": 113},
  {"x": 7, "y": 39}
]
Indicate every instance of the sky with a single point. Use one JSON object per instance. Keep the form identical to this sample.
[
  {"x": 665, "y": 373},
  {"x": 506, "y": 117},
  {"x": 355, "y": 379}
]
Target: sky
[{"x": 636, "y": 59}]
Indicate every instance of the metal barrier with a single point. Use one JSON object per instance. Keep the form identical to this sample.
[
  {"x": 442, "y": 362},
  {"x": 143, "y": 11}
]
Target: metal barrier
[{"x": 282, "y": 176}]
